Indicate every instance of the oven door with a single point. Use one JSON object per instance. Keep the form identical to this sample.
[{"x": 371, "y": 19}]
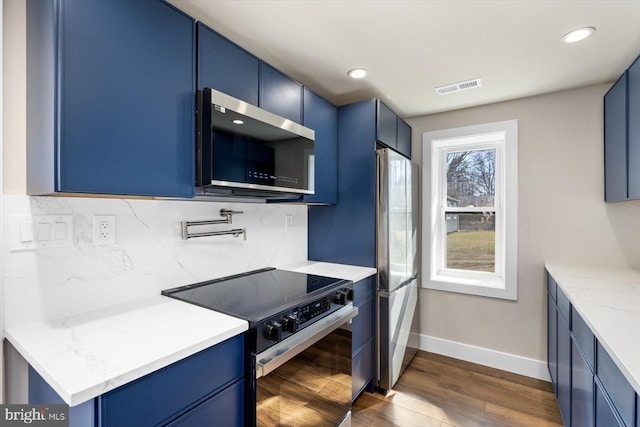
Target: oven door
[{"x": 305, "y": 380}]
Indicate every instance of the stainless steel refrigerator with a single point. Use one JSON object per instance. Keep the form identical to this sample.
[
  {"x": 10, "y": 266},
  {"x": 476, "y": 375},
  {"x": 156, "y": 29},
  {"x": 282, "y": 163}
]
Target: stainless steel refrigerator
[{"x": 398, "y": 249}]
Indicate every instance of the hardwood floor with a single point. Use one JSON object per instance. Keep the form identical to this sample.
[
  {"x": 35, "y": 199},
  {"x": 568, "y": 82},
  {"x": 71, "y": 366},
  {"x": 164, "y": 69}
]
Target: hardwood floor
[{"x": 438, "y": 391}]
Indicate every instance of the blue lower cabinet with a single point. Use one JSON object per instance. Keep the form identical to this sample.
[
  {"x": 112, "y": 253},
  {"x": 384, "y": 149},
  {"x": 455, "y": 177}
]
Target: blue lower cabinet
[
  {"x": 582, "y": 397},
  {"x": 224, "y": 409},
  {"x": 166, "y": 393},
  {"x": 616, "y": 386},
  {"x": 564, "y": 370},
  {"x": 606, "y": 415},
  {"x": 362, "y": 368},
  {"x": 41, "y": 393},
  {"x": 362, "y": 325},
  {"x": 552, "y": 341}
]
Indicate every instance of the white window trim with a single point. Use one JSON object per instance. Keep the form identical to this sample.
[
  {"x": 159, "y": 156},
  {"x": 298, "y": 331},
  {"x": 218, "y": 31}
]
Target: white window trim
[{"x": 504, "y": 283}]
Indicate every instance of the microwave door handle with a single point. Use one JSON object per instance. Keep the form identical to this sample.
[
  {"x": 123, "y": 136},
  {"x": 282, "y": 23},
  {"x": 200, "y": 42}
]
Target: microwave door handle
[{"x": 276, "y": 356}]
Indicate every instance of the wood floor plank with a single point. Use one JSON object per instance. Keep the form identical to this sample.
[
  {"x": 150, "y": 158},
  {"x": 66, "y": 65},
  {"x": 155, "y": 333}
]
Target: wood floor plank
[{"x": 440, "y": 391}]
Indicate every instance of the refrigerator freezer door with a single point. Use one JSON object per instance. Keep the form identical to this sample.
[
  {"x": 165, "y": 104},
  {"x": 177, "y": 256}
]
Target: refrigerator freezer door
[{"x": 395, "y": 314}]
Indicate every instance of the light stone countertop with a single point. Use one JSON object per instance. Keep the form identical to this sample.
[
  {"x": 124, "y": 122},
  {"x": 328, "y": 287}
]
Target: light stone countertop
[
  {"x": 86, "y": 355},
  {"x": 339, "y": 271},
  {"x": 608, "y": 299}
]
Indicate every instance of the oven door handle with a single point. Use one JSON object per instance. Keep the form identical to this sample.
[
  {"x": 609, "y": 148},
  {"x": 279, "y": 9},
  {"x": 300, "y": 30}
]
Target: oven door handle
[{"x": 277, "y": 355}]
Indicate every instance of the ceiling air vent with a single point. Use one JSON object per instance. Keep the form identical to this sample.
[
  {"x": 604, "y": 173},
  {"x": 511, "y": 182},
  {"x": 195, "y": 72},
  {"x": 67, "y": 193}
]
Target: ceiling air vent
[{"x": 457, "y": 87}]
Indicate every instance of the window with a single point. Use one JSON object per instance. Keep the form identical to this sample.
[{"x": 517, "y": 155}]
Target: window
[{"x": 470, "y": 227}]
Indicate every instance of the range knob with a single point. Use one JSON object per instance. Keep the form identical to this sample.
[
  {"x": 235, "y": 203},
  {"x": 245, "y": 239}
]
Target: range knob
[
  {"x": 340, "y": 298},
  {"x": 349, "y": 293},
  {"x": 290, "y": 323},
  {"x": 273, "y": 331}
]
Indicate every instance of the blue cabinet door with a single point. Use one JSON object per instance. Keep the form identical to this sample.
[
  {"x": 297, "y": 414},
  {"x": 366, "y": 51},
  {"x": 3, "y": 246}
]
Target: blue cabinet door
[
  {"x": 126, "y": 117},
  {"x": 615, "y": 142},
  {"x": 322, "y": 117},
  {"x": 552, "y": 342},
  {"x": 404, "y": 138},
  {"x": 582, "y": 393},
  {"x": 633, "y": 121},
  {"x": 615, "y": 385},
  {"x": 387, "y": 129},
  {"x": 606, "y": 415},
  {"x": 346, "y": 233},
  {"x": 280, "y": 94},
  {"x": 224, "y": 66},
  {"x": 564, "y": 370}
]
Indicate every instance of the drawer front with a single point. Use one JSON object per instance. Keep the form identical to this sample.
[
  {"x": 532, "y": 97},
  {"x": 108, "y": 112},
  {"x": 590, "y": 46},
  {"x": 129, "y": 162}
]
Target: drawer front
[
  {"x": 584, "y": 337},
  {"x": 362, "y": 365},
  {"x": 616, "y": 386},
  {"x": 564, "y": 306},
  {"x": 165, "y": 393},
  {"x": 605, "y": 415},
  {"x": 551, "y": 286},
  {"x": 362, "y": 325},
  {"x": 226, "y": 408},
  {"x": 364, "y": 289}
]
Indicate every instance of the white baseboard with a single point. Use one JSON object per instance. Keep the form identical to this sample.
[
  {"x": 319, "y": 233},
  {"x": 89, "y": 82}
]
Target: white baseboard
[{"x": 482, "y": 356}]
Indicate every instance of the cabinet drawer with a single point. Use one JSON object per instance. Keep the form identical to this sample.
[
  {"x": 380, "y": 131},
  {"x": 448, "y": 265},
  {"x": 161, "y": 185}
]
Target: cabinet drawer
[
  {"x": 163, "y": 394},
  {"x": 616, "y": 386},
  {"x": 564, "y": 306},
  {"x": 226, "y": 408},
  {"x": 551, "y": 286},
  {"x": 584, "y": 337},
  {"x": 605, "y": 414},
  {"x": 362, "y": 325},
  {"x": 364, "y": 289},
  {"x": 362, "y": 366}
]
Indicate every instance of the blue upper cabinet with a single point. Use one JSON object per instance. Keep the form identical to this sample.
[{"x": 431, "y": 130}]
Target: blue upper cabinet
[
  {"x": 633, "y": 120},
  {"x": 120, "y": 76},
  {"x": 387, "y": 129},
  {"x": 280, "y": 94},
  {"x": 224, "y": 66},
  {"x": 615, "y": 142},
  {"x": 392, "y": 131},
  {"x": 404, "y": 138},
  {"x": 322, "y": 117}
]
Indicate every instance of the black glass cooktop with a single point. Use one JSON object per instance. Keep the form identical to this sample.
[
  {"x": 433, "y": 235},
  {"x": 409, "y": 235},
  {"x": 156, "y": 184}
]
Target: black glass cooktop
[{"x": 256, "y": 294}]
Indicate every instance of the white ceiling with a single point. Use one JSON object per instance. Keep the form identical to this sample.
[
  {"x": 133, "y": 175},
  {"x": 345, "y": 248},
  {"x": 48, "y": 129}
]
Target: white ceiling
[{"x": 410, "y": 47}]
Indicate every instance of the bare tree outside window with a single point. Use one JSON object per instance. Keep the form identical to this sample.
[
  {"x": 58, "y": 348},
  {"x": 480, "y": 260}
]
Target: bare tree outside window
[{"x": 471, "y": 181}]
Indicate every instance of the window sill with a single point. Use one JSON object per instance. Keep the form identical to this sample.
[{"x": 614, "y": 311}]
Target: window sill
[{"x": 491, "y": 288}]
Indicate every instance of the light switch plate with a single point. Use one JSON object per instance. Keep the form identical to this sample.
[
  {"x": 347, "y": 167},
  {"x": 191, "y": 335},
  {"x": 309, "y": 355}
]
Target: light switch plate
[{"x": 41, "y": 231}]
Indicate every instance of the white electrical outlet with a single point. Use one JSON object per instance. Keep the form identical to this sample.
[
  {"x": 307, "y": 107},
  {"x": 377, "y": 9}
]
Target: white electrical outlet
[{"x": 104, "y": 229}]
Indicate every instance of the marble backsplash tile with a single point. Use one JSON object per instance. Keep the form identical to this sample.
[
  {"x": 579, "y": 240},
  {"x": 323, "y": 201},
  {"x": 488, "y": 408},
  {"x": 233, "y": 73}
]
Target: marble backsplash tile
[{"x": 149, "y": 254}]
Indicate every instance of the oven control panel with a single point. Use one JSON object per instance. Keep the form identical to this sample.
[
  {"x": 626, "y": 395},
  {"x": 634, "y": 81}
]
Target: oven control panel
[{"x": 286, "y": 323}]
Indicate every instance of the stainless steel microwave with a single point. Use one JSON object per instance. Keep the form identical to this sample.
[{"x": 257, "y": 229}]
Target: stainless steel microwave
[{"x": 245, "y": 151}]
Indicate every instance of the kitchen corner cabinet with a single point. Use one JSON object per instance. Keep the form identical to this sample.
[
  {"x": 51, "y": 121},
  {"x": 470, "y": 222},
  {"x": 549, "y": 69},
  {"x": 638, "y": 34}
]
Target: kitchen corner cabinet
[
  {"x": 205, "y": 388},
  {"x": 362, "y": 336},
  {"x": 110, "y": 98},
  {"x": 280, "y": 94},
  {"x": 591, "y": 389},
  {"x": 322, "y": 117},
  {"x": 224, "y": 66}
]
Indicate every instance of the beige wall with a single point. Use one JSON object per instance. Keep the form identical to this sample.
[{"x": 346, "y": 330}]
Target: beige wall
[
  {"x": 562, "y": 217},
  {"x": 14, "y": 76}
]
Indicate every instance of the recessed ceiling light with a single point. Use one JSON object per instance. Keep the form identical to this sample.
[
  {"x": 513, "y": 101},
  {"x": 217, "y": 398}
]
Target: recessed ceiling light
[
  {"x": 238, "y": 122},
  {"x": 577, "y": 35},
  {"x": 357, "y": 73}
]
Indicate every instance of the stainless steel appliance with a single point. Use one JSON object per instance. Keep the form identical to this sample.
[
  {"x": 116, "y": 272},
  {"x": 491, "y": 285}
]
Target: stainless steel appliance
[
  {"x": 245, "y": 151},
  {"x": 297, "y": 348},
  {"x": 398, "y": 245}
]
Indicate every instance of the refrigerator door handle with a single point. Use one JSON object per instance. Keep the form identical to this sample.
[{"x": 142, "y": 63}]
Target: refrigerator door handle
[{"x": 384, "y": 293}]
